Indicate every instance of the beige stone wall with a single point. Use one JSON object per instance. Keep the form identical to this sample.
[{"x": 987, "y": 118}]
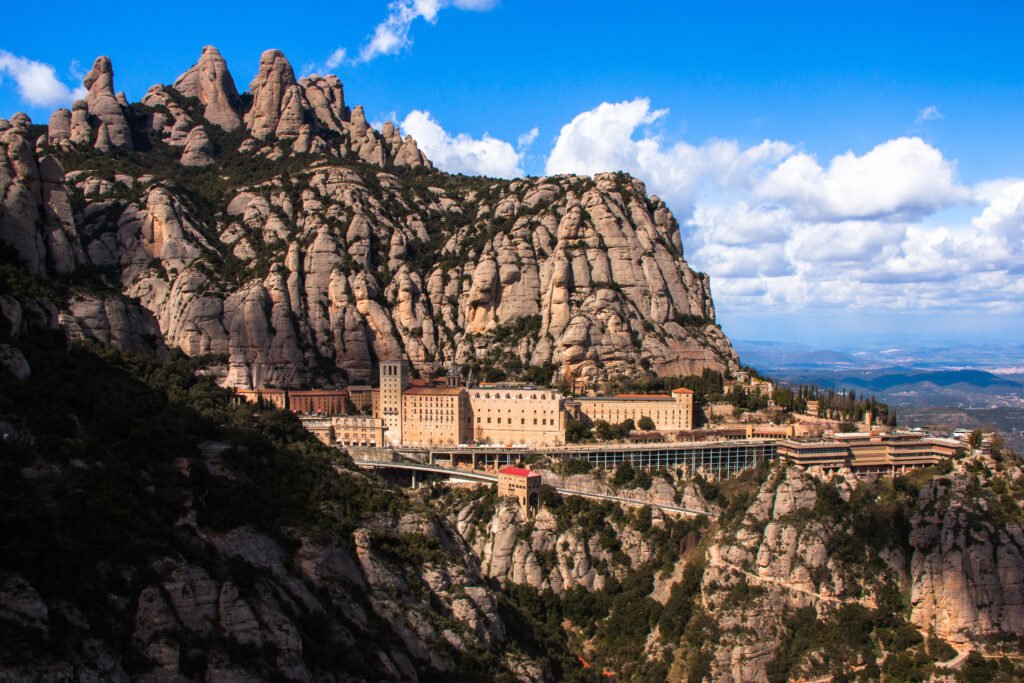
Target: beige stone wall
[
  {"x": 502, "y": 415},
  {"x": 669, "y": 413},
  {"x": 358, "y": 431},
  {"x": 435, "y": 417}
]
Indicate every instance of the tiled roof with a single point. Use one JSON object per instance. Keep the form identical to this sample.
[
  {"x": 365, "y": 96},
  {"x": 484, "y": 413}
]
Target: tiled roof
[
  {"x": 517, "y": 472},
  {"x": 682, "y": 390}
]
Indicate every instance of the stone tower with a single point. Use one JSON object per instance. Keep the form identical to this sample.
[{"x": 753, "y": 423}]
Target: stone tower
[{"x": 394, "y": 379}]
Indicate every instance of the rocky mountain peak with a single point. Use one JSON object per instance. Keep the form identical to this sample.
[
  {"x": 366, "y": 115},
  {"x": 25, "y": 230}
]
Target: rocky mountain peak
[
  {"x": 103, "y": 104},
  {"x": 278, "y": 104},
  {"x": 210, "y": 81}
]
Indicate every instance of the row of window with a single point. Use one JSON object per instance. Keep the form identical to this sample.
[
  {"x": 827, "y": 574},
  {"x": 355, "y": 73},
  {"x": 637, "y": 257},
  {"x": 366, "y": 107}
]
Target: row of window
[{"x": 522, "y": 421}]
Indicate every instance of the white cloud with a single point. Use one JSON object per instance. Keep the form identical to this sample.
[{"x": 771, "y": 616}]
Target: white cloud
[
  {"x": 527, "y": 139},
  {"x": 37, "y": 82},
  {"x": 898, "y": 178},
  {"x": 336, "y": 59},
  {"x": 928, "y": 114},
  {"x": 602, "y": 139},
  {"x": 462, "y": 153},
  {"x": 391, "y": 36},
  {"x": 777, "y": 228}
]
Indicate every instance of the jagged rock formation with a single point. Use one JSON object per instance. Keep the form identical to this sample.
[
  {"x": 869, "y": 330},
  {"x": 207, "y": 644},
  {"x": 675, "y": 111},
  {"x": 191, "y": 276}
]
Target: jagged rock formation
[
  {"x": 966, "y": 573},
  {"x": 105, "y": 107},
  {"x": 311, "y": 265},
  {"x": 36, "y": 218},
  {"x": 211, "y": 82}
]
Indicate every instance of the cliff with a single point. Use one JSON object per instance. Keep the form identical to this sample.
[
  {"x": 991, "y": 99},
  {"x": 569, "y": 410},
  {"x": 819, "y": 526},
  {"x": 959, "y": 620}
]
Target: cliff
[{"x": 279, "y": 228}]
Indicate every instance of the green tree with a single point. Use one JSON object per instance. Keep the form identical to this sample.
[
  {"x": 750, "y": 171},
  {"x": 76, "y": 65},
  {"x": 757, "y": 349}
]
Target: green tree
[{"x": 646, "y": 424}]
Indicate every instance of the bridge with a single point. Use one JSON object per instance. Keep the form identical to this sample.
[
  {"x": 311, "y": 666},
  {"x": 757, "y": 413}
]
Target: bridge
[{"x": 491, "y": 478}]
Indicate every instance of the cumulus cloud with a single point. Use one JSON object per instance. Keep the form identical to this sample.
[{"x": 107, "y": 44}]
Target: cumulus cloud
[
  {"x": 928, "y": 114},
  {"x": 391, "y": 36},
  {"x": 37, "y": 82},
  {"x": 898, "y": 178},
  {"x": 463, "y": 153},
  {"x": 603, "y": 139},
  {"x": 774, "y": 226}
]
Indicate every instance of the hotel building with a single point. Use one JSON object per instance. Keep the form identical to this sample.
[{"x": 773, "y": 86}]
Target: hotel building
[
  {"x": 669, "y": 412},
  {"x": 516, "y": 415},
  {"x": 435, "y": 416}
]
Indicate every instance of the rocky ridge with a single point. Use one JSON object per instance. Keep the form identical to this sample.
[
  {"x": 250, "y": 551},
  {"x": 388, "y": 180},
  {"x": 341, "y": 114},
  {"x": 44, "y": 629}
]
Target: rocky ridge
[{"x": 279, "y": 228}]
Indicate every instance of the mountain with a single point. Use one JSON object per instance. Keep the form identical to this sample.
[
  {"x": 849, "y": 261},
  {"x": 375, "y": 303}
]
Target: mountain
[
  {"x": 156, "y": 531},
  {"x": 278, "y": 228}
]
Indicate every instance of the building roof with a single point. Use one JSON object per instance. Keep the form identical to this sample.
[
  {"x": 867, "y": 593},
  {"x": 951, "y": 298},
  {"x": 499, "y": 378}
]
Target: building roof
[
  {"x": 682, "y": 390},
  {"x": 359, "y": 387},
  {"x": 628, "y": 397},
  {"x": 517, "y": 472},
  {"x": 432, "y": 391}
]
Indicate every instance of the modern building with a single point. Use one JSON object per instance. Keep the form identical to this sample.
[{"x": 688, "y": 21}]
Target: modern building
[
  {"x": 435, "y": 416},
  {"x": 505, "y": 414},
  {"x": 871, "y": 452},
  {"x": 521, "y": 484},
  {"x": 669, "y": 412}
]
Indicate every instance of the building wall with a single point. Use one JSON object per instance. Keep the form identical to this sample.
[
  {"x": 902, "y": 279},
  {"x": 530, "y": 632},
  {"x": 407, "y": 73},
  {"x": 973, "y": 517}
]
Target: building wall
[
  {"x": 275, "y": 397},
  {"x": 524, "y": 489},
  {"x": 361, "y": 397},
  {"x": 346, "y": 430},
  {"x": 394, "y": 378},
  {"x": 351, "y": 430},
  {"x": 669, "y": 413},
  {"x": 506, "y": 415},
  {"x": 435, "y": 416},
  {"x": 317, "y": 401}
]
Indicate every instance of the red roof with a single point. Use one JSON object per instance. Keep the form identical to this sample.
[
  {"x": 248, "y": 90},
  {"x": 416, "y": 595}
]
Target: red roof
[
  {"x": 682, "y": 390},
  {"x": 518, "y": 472}
]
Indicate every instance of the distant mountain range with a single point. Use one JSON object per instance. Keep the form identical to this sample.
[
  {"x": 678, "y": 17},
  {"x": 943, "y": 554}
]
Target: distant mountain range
[{"x": 978, "y": 376}]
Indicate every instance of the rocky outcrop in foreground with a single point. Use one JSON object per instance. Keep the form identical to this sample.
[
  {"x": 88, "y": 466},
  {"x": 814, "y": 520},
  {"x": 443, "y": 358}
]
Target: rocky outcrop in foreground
[{"x": 279, "y": 228}]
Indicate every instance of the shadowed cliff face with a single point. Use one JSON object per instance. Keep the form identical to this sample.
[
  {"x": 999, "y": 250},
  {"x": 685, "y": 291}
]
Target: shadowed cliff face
[{"x": 279, "y": 228}]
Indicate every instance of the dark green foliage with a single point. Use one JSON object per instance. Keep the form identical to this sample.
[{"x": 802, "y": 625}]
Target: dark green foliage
[
  {"x": 521, "y": 327},
  {"x": 577, "y": 431},
  {"x": 574, "y": 466},
  {"x": 646, "y": 423},
  {"x": 608, "y": 432},
  {"x": 977, "y": 669}
]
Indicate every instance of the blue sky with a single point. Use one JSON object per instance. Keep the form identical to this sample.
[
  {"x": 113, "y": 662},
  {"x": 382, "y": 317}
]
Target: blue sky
[{"x": 842, "y": 173}]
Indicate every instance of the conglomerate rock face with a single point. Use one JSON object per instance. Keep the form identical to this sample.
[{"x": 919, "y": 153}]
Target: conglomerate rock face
[{"x": 307, "y": 246}]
